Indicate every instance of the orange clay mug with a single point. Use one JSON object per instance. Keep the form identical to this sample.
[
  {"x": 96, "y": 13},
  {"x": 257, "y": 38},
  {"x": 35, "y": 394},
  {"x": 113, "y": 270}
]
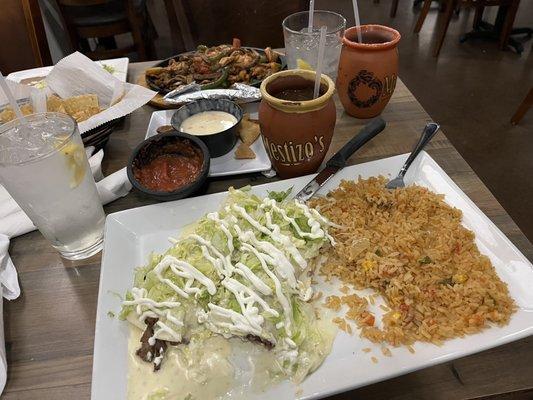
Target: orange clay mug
[
  {"x": 368, "y": 71},
  {"x": 296, "y": 131}
]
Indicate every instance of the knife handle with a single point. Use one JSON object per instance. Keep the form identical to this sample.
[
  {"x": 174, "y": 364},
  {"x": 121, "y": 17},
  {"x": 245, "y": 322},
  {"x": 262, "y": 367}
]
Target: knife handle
[
  {"x": 430, "y": 130},
  {"x": 368, "y": 132}
]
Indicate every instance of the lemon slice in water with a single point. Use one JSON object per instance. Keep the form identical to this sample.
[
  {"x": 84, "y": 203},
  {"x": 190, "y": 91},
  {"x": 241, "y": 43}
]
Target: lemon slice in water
[
  {"x": 302, "y": 64},
  {"x": 75, "y": 157}
]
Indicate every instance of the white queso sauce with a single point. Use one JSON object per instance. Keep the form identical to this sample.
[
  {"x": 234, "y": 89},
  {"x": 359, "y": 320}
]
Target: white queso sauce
[{"x": 207, "y": 123}]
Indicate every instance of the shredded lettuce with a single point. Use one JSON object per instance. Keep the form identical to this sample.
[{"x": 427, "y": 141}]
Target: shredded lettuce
[
  {"x": 281, "y": 195},
  {"x": 306, "y": 332}
]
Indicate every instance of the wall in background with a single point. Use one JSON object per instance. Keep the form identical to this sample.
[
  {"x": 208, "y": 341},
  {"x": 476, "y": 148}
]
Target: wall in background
[
  {"x": 56, "y": 34},
  {"x": 22, "y": 36}
]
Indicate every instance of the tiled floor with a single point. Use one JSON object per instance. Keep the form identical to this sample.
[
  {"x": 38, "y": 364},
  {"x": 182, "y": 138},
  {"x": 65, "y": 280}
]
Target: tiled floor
[{"x": 472, "y": 90}]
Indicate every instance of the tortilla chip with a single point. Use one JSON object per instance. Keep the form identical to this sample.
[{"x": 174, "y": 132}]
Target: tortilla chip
[
  {"x": 84, "y": 102},
  {"x": 82, "y": 115},
  {"x": 244, "y": 152},
  {"x": 165, "y": 129},
  {"x": 8, "y": 114},
  {"x": 249, "y": 131},
  {"x": 26, "y": 109},
  {"x": 54, "y": 103}
]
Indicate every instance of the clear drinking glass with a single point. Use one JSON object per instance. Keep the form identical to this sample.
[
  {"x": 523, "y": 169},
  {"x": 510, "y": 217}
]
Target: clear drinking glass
[
  {"x": 301, "y": 46},
  {"x": 44, "y": 167}
]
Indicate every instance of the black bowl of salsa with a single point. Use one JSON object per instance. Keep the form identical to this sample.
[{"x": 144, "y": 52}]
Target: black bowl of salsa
[{"x": 169, "y": 166}]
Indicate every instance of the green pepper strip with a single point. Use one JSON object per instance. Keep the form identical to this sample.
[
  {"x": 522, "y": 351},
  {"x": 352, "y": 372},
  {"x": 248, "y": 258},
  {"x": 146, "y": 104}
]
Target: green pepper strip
[
  {"x": 219, "y": 82},
  {"x": 218, "y": 57}
]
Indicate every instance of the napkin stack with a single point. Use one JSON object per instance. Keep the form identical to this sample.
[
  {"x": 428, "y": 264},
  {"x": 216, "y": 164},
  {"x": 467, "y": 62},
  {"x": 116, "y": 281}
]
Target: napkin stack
[{"x": 14, "y": 222}]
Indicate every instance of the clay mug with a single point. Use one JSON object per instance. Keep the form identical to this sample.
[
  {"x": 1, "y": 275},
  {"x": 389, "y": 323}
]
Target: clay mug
[
  {"x": 368, "y": 71},
  {"x": 296, "y": 133}
]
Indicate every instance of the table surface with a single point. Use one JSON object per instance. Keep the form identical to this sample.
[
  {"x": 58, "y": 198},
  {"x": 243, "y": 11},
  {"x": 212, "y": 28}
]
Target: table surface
[{"x": 50, "y": 328}]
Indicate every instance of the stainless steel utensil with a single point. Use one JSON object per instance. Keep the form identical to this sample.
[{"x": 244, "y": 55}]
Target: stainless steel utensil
[
  {"x": 429, "y": 131},
  {"x": 338, "y": 161}
]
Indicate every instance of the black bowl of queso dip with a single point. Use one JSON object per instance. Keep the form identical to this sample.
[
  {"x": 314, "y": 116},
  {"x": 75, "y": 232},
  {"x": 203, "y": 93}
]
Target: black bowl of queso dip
[
  {"x": 215, "y": 122},
  {"x": 169, "y": 166}
]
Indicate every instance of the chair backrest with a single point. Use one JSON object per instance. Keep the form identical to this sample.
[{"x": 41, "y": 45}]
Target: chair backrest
[
  {"x": 81, "y": 3},
  {"x": 485, "y": 3},
  {"x": 256, "y": 23}
]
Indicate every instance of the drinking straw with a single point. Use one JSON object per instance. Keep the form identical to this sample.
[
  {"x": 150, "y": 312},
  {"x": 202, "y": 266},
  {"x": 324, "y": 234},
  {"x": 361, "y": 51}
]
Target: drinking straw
[
  {"x": 357, "y": 21},
  {"x": 320, "y": 61},
  {"x": 311, "y": 12},
  {"x": 10, "y": 97}
]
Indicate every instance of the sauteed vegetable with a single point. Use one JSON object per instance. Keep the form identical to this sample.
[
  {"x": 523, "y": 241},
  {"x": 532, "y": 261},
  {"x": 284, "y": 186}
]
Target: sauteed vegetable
[{"x": 215, "y": 67}]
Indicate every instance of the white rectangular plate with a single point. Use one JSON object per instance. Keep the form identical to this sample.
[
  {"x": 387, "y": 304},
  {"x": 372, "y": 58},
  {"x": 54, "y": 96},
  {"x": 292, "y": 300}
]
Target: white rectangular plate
[
  {"x": 119, "y": 64},
  {"x": 227, "y": 164},
  {"x": 132, "y": 234}
]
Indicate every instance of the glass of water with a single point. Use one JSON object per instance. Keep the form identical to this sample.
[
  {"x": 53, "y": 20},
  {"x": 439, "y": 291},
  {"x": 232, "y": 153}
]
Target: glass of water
[
  {"x": 301, "y": 46},
  {"x": 44, "y": 167}
]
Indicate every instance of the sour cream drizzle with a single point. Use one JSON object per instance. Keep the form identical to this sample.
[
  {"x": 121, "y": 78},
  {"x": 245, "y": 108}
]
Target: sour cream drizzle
[
  {"x": 164, "y": 328},
  {"x": 284, "y": 266},
  {"x": 312, "y": 221},
  {"x": 224, "y": 227},
  {"x": 226, "y": 260},
  {"x": 282, "y": 299},
  {"x": 140, "y": 300},
  {"x": 235, "y": 322},
  {"x": 221, "y": 319},
  {"x": 316, "y": 231},
  {"x": 275, "y": 234},
  {"x": 247, "y": 273},
  {"x": 184, "y": 270}
]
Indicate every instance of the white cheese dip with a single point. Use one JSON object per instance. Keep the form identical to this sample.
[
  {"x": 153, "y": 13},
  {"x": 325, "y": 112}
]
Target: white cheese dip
[
  {"x": 214, "y": 368},
  {"x": 207, "y": 123}
]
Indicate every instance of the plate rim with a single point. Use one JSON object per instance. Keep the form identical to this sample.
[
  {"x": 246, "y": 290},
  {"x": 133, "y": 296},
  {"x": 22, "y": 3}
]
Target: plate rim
[{"x": 114, "y": 218}]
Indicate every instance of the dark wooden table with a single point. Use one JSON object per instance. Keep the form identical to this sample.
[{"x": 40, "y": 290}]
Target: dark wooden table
[{"x": 50, "y": 328}]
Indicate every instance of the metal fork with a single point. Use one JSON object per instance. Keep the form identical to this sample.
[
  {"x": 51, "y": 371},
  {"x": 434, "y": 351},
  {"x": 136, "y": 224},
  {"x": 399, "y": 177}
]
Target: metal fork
[{"x": 429, "y": 131}]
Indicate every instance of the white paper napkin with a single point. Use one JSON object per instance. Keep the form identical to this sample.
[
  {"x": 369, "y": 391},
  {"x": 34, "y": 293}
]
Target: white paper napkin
[
  {"x": 14, "y": 222},
  {"x": 21, "y": 93},
  {"x": 76, "y": 75}
]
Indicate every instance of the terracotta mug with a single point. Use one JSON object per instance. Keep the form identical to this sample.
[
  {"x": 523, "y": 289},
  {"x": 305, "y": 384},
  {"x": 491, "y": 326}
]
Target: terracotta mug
[
  {"x": 368, "y": 71},
  {"x": 296, "y": 133}
]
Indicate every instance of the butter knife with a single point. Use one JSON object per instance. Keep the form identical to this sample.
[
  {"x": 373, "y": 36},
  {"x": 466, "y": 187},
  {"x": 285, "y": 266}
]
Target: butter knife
[{"x": 338, "y": 161}]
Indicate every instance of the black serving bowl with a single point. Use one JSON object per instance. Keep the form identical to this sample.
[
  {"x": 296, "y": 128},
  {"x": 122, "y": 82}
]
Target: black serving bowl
[
  {"x": 165, "y": 143},
  {"x": 219, "y": 143}
]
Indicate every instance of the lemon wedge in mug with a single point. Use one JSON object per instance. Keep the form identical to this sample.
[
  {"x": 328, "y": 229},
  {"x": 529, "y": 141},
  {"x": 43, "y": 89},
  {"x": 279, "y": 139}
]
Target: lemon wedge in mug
[
  {"x": 75, "y": 156},
  {"x": 302, "y": 64}
]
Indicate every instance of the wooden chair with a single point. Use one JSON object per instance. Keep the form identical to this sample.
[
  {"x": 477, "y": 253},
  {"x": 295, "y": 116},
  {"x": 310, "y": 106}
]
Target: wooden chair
[
  {"x": 393, "y": 8},
  {"x": 22, "y": 35},
  {"x": 523, "y": 108},
  {"x": 103, "y": 19},
  {"x": 425, "y": 10},
  {"x": 180, "y": 30},
  {"x": 479, "y": 6},
  {"x": 394, "y": 5}
]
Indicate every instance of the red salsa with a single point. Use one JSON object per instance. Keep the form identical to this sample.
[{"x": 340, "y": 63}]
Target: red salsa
[{"x": 169, "y": 172}]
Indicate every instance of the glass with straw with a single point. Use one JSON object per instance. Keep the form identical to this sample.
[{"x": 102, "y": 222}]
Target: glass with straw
[
  {"x": 44, "y": 167},
  {"x": 302, "y": 33}
]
